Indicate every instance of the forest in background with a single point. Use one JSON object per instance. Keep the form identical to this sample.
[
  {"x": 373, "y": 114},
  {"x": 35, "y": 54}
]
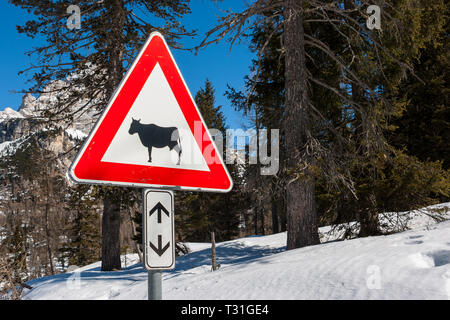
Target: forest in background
[{"x": 363, "y": 117}]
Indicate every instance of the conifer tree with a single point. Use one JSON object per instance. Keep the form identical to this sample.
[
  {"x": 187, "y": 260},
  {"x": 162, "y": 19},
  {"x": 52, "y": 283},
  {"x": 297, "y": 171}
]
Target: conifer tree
[
  {"x": 328, "y": 50},
  {"x": 200, "y": 214},
  {"x": 91, "y": 60},
  {"x": 423, "y": 125},
  {"x": 263, "y": 103},
  {"x": 14, "y": 250},
  {"x": 83, "y": 246}
]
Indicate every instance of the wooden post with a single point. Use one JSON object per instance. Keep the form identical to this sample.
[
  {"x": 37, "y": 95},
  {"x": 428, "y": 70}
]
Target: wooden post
[{"x": 213, "y": 251}]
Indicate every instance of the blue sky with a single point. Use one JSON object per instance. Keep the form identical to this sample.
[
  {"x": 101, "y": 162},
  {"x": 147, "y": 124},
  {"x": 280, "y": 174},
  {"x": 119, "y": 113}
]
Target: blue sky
[{"x": 217, "y": 62}]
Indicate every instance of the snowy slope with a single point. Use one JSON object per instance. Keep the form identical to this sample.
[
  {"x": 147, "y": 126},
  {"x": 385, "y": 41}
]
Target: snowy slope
[{"x": 410, "y": 265}]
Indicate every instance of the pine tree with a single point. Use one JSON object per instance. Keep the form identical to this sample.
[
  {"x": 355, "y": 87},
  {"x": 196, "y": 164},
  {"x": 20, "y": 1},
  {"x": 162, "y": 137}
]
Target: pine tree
[
  {"x": 423, "y": 126},
  {"x": 13, "y": 247},
  {"x": 84, "y": 241},
  {"x": 328, "y": 51},
  {"x": 205, "y": 100},
  {"x": 264, "y": 105},
  {"x": 200, "y": 214},
  {"x": 91, "y": 62},
  {"x": 423, "y": 20}
]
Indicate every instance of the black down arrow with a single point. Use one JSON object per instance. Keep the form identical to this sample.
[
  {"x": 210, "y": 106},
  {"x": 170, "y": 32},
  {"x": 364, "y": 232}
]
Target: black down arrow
[
  {"x": 159, "y": 207},
  {"x": 160, "y": 250}
]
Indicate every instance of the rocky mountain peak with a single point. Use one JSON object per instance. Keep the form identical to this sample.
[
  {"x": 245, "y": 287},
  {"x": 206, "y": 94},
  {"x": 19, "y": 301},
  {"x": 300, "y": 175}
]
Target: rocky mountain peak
[{"x": 28, "y": 106}]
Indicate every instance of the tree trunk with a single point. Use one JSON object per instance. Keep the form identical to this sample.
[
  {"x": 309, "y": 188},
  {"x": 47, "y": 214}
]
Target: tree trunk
[
  {"x": 111, "y": 210},
  {"x": 263, "y": 222},
  {"x": 134, "y": 233},
  {"x": 282, "y": 214},
  {"x": 275, "y": 228},
  {"x": 302, "y": 225},
  {"x": 368, "y": 218},
  {"x": 255, "y": 215},
  {"x": 213, "y": 251},
  {"x": 47, "y": 222},
  {"x": 48, "y": 238},
  {"x": 110, "y": 235}
]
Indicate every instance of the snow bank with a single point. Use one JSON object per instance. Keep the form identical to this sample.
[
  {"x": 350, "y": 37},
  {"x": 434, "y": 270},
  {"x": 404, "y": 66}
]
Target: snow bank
[
  {"x": 410, "y": 265},
  {"x": 391, "y": 222}
]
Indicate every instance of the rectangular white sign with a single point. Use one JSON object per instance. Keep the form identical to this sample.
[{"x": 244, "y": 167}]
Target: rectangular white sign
[{"x": 159, "y": 229}]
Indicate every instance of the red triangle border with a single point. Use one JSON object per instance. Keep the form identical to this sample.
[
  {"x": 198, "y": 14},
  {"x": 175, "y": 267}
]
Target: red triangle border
[{"x": 88, "y": 167}]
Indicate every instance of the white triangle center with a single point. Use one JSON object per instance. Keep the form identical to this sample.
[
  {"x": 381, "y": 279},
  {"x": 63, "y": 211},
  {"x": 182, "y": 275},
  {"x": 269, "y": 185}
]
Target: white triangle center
[{"x": 157, "y": 105}]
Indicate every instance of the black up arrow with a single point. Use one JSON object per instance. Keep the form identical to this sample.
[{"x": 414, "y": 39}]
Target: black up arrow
[
  {"x": 160, "y": 250},
  {"x": 159, "y": 207}
]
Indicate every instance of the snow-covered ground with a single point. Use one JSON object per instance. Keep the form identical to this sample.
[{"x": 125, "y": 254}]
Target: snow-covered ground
[{"x": 414, "y": 264}]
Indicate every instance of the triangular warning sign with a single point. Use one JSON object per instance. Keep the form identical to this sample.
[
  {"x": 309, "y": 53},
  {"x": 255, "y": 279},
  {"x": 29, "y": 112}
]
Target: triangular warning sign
[{"x": 151, "y": 134}]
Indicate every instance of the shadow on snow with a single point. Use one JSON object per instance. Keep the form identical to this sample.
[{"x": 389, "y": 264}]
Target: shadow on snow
[{"x": 227, "y": 253}]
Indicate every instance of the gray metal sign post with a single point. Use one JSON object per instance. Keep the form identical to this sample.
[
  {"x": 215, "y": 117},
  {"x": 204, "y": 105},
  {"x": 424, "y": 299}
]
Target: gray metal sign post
[
  {"x": 158, "y": 237},
  {"x": 154, "y": 285}
]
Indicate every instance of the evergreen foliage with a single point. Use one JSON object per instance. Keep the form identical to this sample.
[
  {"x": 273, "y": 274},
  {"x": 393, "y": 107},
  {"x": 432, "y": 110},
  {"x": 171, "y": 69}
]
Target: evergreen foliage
[
  {"x": 367, "y": 173},
  {"x": 83, "y": 246},
  {"x": 199, "y": 214},
  {"x": 423, "y": 125}
]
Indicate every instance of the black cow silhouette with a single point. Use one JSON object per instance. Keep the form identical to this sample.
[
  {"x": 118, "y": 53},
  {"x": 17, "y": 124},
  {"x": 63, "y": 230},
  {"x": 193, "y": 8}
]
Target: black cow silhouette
[{"x": 152, "y": 135}]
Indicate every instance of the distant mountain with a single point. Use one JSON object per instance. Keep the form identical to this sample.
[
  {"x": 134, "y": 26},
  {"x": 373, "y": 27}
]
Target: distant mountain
[
  {"x": 32, "y": 108},
  {"x": 24, "y": 136}
]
